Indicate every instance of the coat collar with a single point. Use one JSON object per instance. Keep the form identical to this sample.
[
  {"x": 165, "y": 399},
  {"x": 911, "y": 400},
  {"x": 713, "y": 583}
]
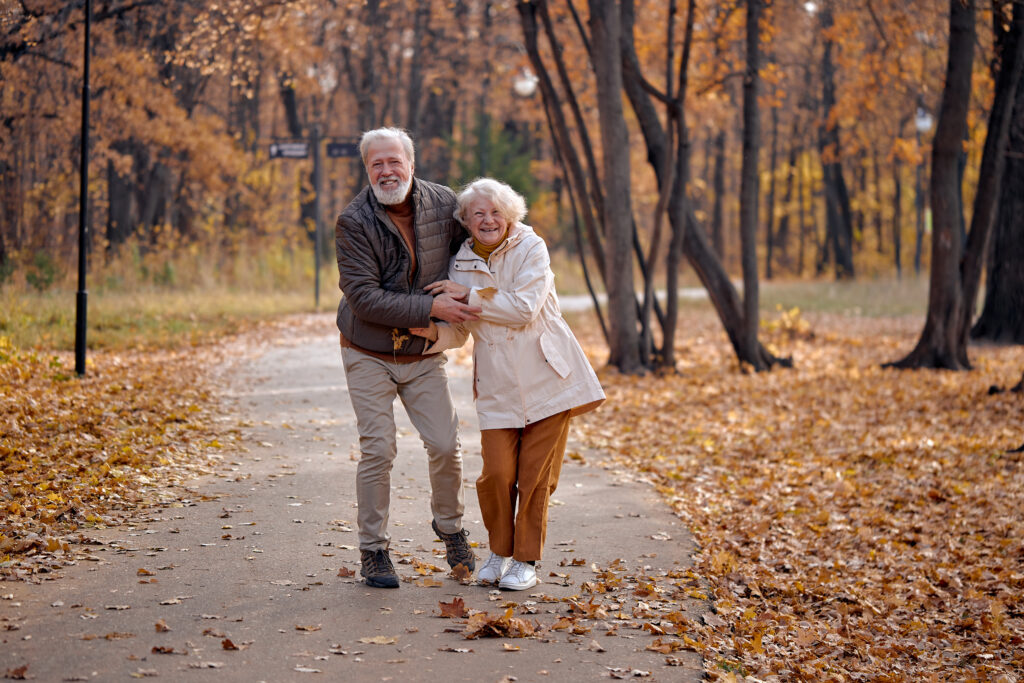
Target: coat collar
[{"x": 516, "y": 233}]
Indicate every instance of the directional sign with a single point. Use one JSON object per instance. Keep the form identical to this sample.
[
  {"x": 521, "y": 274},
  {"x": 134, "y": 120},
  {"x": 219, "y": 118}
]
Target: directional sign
[
  {"x": 342, "y": 149},
  {"x": 289, "y": 150}
]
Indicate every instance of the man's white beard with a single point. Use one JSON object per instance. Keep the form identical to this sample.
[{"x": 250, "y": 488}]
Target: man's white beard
[{"x": 392, "y": 196}]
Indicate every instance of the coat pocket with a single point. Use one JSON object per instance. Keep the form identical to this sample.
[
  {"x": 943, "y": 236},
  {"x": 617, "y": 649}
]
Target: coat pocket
[{"x": 553, "y": 356}]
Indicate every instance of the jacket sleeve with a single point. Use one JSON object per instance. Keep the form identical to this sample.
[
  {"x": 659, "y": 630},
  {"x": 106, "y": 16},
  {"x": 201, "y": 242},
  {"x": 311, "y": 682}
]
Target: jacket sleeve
[
  {"x": 448, "y": 337},
  {"x": 520, "y": 304},
  {"x": 360, "y": 278}
]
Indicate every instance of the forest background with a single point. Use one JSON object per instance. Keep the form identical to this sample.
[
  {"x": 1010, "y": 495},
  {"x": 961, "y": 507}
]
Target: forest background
[{"x": 801, "y": 152}]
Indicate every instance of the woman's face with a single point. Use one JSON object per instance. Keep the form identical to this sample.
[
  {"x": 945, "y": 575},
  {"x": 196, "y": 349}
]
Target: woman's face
[{"x": 486, "y": 224}]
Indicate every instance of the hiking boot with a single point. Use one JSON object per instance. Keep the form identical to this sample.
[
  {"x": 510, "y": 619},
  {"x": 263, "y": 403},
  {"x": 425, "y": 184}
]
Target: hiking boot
[
  {"x": 457, "y": 550},
  {"x": 378, "y": 570},
  {"x": 519, "y": 576},
  {"x": 493, "y": 569}
]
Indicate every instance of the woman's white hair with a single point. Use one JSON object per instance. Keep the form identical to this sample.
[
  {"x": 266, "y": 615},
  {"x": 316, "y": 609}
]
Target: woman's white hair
[
  {"x": 507, "y": 201},
  {"x": 377, "y": 134}
]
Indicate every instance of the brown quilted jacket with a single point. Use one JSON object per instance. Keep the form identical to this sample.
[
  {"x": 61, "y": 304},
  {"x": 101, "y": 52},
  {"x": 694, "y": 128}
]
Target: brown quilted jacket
[{"x": 379, "y": 305}]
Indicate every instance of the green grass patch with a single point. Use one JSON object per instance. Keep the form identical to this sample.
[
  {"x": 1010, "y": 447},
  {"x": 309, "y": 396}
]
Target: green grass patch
[
  {"x": 150, "y": 317},
  {"x": 868, "y": 298}
]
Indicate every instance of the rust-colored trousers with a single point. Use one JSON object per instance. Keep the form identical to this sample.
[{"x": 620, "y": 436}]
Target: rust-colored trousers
[{"x": 520, "y": 465}]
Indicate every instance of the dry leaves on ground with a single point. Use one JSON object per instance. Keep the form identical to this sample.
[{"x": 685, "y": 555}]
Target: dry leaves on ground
[
  {"x": 79, "y": 453},
  {"x": 855, "y": 522}
]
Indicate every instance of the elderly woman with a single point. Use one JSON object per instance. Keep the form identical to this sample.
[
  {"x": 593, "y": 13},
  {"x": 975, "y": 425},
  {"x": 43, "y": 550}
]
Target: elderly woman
[{"x": 529, "y": 374}]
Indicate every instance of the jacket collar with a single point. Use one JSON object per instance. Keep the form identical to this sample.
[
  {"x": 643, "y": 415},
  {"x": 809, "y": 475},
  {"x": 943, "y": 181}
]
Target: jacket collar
[{"x": 516, "y": 233}]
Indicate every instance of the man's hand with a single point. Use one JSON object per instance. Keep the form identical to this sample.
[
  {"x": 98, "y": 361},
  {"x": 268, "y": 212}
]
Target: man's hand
[
  {"x": 446, "y": 307},
  {"x": 457, "y": 291}
]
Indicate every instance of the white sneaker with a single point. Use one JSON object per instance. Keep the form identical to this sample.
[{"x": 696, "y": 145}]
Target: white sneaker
[
  {"x": 493, "y": 569},
  {"x": 519, "y": 576}
]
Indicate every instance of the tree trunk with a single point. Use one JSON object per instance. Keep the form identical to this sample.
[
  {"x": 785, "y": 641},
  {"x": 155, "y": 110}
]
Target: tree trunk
[
  {"x": 1007, "y": 100},
  {"x": 421, "y": 25},
  {"x": 558, "y": 125},
  {"x": 605, "y": 27},
  {"x": 941, "y": 344},
  {"x": 750, "y": 190},
  {"x": 879, "y": 202},
  {"x": 722, "y": 293},
  {"x": 770, "y": 209},
  {"x": 897, "y": 217},
  {"x": 801, "y": 225},
  {"x": 120, "y": 210},
  {"x": 717, "y": 229},
  {"x": 1002, "y": 316},
  {"x": 838, "y": 219},
  {"x": 782, "y": 234}
]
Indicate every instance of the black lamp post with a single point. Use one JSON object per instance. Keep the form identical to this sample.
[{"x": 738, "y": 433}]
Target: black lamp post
[{"x": 81, "y": 299}]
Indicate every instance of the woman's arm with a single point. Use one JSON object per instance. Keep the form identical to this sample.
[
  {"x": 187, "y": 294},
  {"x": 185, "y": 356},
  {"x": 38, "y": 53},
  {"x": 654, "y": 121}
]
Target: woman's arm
[
  {"x": 519, "y": 304},
  {"x": 443, "y": 335}
]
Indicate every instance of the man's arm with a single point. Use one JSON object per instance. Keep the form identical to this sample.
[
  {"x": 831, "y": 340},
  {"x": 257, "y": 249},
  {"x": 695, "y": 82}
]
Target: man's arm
[{"x": 359, "y": 277}]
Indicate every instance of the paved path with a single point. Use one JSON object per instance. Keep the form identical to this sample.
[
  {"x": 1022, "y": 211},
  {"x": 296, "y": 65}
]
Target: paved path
[{"x": 253, "y": 560}]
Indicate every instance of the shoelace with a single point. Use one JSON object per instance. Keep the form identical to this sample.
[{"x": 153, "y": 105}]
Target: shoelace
[
  {"x": 518, "y": 570},
  {"x": 493, "y": 562},
  {"x": 380, "y": 563}
]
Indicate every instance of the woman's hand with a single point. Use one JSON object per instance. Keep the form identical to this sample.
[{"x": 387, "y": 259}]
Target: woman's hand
[
  {"x": 453, "y": 289},
  {"x": 426, "y": 332}
]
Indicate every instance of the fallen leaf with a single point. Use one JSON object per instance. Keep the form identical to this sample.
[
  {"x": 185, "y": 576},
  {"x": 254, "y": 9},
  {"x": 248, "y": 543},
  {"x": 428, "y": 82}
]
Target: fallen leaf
[
  {"x": 429, "y": 582},
  {"x": 161, "y": 626},
  {"x": 460, "y": 572},
  {"x": 17, "y": 674},
  {"x": 345, "y": 572},
  {"x": 308, "y": 628},
  {"x": 118, "y": 635},
  {"x": 456, "y": 609},
  {"x": 483, "y": 625},
  {"x": 379, "y": 640}
]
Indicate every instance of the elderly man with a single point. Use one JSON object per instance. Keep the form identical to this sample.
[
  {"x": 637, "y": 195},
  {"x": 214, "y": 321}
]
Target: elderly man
[{"x": 392, "y": 240}]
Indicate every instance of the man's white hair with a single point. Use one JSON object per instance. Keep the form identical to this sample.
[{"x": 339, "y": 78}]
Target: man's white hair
[
  {"x": 377, "y": 134},
  {"x": 509, "y": 203}
]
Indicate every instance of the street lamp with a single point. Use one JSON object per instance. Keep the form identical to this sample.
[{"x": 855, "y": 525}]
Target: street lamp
[
  {"x": 525, "y": 83},
  {"x": 923, "y": 121},
  {"x": 82, "y": 296}
]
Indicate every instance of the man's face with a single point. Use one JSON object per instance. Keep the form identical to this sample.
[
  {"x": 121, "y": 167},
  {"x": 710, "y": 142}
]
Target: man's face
[{"x": 389, "y": 170}]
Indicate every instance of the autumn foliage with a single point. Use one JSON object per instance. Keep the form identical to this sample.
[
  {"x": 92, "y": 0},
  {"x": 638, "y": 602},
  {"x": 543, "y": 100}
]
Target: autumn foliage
[
  {"x": 83, "y": 453},
  {"x": 854, "y": 522}
]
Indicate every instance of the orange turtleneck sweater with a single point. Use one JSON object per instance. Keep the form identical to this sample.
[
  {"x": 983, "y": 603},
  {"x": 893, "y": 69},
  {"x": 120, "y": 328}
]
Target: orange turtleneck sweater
[{"x": 402, "y": 216}]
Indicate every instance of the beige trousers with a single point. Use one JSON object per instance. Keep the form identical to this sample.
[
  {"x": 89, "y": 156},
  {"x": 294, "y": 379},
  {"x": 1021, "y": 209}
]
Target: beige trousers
[
  {"x": 520, "y": 465},
  {"x": 373, "y": 385}
]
